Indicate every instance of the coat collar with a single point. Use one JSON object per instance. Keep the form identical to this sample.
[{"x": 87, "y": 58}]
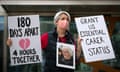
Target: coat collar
[{"x": 67, "y": 34}]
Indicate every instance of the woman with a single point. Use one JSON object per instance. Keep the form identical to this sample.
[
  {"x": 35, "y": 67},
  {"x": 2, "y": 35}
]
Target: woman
[{"x": 50, "y": 39}]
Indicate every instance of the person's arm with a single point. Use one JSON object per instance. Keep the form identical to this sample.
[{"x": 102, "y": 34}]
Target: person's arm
[
  {"x": 79, "y": 47},
  {"x": 44, "y": 40}
]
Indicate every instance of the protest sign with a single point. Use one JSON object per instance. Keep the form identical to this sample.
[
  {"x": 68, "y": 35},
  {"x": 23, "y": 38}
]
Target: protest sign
[
  {"x": 96, "y": 42},
  {"x": 24, "y": 32}
]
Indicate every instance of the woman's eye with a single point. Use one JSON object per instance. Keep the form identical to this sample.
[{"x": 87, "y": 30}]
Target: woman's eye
[{"x": 63, "y": 19}]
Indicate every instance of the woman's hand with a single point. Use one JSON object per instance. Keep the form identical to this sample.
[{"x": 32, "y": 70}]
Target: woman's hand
[
  {"x": 9, "y": 42},
  {"x": 79, "y": 47}
]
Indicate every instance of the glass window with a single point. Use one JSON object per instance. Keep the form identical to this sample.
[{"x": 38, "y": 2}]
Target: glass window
[
  {"x": 116, "y": 45},
  {"x": 115, "y": 39},
  {"x": 46, "y": 24}
]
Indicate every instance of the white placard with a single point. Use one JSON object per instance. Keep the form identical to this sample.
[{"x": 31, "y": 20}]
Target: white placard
[
  {"x": 65, "y": 56},
  {"x": 96, "y": 42},
  {"x": 24, "y": 32}
]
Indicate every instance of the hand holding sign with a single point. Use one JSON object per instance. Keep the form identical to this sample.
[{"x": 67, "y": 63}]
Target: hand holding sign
[{"x": 96, "y": 42}]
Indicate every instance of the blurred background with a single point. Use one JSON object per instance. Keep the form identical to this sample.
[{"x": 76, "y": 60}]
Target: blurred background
[{"x": 46, "y": 10}]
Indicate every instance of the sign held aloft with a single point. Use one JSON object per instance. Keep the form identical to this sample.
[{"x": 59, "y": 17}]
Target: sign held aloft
[
  {"x": 96, "y": 42},
  {"x": 24, "y": 32}
]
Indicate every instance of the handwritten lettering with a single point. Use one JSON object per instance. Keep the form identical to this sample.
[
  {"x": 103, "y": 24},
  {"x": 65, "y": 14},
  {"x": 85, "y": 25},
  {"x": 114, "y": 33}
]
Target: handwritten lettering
[
  {"x": 99, "y": 50},
  {"x": 94, "y": 40},
  {"x": 89, "y": 20}
]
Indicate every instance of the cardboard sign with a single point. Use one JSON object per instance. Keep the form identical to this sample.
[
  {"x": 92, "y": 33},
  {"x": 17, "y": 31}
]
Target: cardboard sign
[
  {"x": 96, "y": 42},
  {"x": 24, "y": 32}
]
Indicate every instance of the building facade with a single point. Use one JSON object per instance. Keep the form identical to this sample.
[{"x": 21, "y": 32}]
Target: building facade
[{"x": 46, "y": 10}]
